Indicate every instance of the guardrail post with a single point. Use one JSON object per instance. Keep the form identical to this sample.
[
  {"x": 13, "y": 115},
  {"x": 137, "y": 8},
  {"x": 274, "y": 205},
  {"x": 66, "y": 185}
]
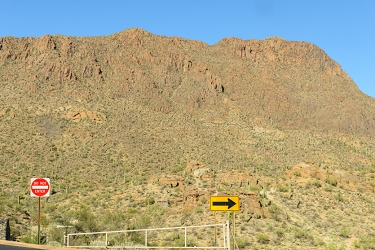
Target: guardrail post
[
  {"x": 67, "y": 240},
  {"x": 185, "y": 237},
  {"x": 228, "y": 235},
  {"x": 224, "y": 236},
  {"x": 106, "y": 239},
  {"x": 146, "y": 238},
  {"x": 64, "y": 243}
]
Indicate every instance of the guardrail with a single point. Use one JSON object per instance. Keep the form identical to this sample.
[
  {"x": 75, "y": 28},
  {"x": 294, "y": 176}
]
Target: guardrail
[{"x": 100, "y": 240}]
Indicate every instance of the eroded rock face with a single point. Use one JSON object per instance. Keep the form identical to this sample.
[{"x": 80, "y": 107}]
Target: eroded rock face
[
  {"x": 4, "y": 229},
  {"x": 278, "y": 50},
  {"x": 194, "y": 165},
  {"x": 291, "y": 84},
  {"x": 94, "y": 116}
]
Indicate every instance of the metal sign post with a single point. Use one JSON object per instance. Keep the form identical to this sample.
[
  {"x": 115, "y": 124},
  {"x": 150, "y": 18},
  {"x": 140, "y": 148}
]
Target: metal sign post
[
  {"x": 39, "y": 221},
  {"x": 226, "y": 204},
  {"x": 234, "y": 229},
  {"x": 39, "y": 187},
  {"x": 215, "y": 231}
]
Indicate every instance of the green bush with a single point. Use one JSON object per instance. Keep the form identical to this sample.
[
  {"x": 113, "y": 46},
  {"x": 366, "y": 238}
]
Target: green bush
[
  {"x": 280, "y": 232},
  {"x": 345, "y": 232},
  {"x": 242, "y": 243},
  {"x": 173, "y": 236},
  {"x": 31, "y": 239},
  {"x": 199, "y": 209},
  {"x": 177, "y": 169},
  {"x": 191, "y": 241},
  {"x": 143, "y": 221},
  {"x": 86, "y": 220},
  {"x": 262, "y": 238},
  {"x": 273, "y": 209}
]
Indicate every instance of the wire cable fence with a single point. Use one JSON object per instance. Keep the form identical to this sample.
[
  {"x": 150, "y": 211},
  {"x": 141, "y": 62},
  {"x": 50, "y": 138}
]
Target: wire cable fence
[{"x": 213, "y": 236}]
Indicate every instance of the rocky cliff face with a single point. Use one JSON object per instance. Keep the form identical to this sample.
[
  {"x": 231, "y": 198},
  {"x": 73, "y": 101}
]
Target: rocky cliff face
[
  {"x": 4, "y": 229},
  {"x": 146, "y": 128},
  {"x": 291, "y": 84}
]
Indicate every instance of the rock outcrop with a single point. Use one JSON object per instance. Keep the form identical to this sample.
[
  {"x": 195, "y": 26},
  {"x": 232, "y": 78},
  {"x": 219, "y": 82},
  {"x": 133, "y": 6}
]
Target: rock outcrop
[{"x": 291, "y": 84}]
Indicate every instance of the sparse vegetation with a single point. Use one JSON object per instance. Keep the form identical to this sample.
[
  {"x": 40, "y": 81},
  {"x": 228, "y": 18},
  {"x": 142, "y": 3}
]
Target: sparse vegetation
[
  {"x": 331, "y": 181},
  {"x": 365, "y": 242},
  {"x": 334, "y": 245},
  {"x": 262, "y": 238},
  {"x": 136, "y": 130}
]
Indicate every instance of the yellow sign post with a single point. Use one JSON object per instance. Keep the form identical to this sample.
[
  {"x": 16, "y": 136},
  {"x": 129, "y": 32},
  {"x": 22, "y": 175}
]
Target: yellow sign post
[
  {"x": 225, "y": 203},
  {"x": 228, "y": 204}
]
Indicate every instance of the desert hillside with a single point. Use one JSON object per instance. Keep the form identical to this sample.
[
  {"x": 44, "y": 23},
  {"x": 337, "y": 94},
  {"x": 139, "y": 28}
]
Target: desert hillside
[{"x": 117, "y": 121}]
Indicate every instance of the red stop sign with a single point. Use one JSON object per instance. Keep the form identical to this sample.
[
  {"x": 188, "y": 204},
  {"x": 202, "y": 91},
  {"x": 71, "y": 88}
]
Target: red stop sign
[{"x": 39, "y": 187}]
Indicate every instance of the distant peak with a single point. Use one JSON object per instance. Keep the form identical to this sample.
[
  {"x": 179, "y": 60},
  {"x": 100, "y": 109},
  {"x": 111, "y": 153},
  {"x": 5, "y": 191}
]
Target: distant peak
[
  {"x": 133, "y": 32},
  {"x": 275, "y": 38}
]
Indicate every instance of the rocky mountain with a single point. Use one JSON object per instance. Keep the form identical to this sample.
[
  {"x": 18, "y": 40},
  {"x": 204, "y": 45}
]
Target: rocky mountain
[
  {"x": 129, "y": 114},
  {"x": 293, "y": 84}
]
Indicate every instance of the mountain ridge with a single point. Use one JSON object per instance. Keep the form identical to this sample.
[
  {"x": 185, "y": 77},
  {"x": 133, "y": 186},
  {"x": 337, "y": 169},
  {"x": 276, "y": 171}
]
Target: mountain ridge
[
  {"x": 137, "y": 130},
  {"x": 299, "y": 60}
]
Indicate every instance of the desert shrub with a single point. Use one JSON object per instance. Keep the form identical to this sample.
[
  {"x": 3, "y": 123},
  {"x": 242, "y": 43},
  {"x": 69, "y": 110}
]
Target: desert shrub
[
  {"x": 280, "y": 232},
  {"x": 345, "y": 232},
  {"x": 199, "y": 209},
  {"x": 55, "y": 235},
  {"x": 177, "y": 169},
  {"x": 339, "y": 196},
  {"x": 365, "y": 242},
  {"x": 150, "y": 201},
  {"x": 273, "y": 208},
  {"x": 242, "y": 243},
  {"x": 328, "y": 188},
  {"x": 275, "y": 211},
  {"x": 331, "y": 181},
  {"x": 297, "y": 174},
  {"x": 318, "y": 242},
  {"x": 333, "y": 245},
  {"x": 172, "y": 236},
  {"x": 191, "y": 241},
  {"x": 262, "y": 238},
  {"x": 112, "y": 220},
  {"x": 301, "y": 234},
  {"x": 31, "y": 239},
  {"x": 282, "y": 188},
  {"x": 143, "y": 221},
  {"x": 86, "y": 220},
  {"x": 315, "y": 183}
]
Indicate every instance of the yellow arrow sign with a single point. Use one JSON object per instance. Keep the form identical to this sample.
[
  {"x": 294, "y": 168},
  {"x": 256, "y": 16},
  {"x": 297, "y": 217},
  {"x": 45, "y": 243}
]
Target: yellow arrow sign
[{"x": 224, "y": 203}]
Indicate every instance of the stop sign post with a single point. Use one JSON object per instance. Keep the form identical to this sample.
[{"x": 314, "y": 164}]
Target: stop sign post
[{"x": 39, "y": 187}]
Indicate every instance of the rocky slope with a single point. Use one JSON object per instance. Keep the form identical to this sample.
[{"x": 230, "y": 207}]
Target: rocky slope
[
  {"x": 115, "y": 120},
  {"x": 293, "y": 84}
]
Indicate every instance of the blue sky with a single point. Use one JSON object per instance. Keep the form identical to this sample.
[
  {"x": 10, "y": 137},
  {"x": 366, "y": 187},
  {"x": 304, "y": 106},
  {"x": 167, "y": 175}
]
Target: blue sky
[{"x": 344, "y": 29}]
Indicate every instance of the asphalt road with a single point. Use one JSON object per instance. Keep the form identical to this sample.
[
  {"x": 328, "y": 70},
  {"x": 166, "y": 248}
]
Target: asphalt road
[
  {"x": 6, "y": 247},
  {"x": 12, "y": 245}
]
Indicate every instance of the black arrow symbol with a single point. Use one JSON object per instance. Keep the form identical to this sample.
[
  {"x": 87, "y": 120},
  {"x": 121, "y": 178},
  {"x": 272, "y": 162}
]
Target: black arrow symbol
[{"x": 228, "y": 203}]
